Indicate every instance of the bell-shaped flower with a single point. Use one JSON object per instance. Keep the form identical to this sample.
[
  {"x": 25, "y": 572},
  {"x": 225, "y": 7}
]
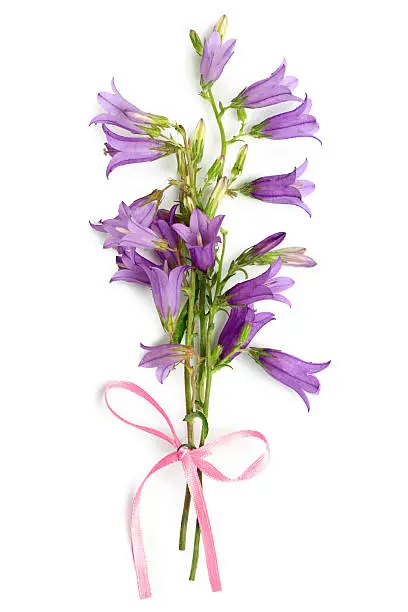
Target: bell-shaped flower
[
  {"x": 291, "y": 124},
  {"x": 163, "y": 225},
  {"x": 273, "y": 90},
  {"x": 261, "y": 248},
  {"x": 200, "y": 238},
  {"x": 131, "y": 268},
  {"x": 166, "y": 289},
  {"x": 295, "y": 256},
  {"x": 215, "y": 56},
  {"x": 164, "y": 358},
  {"x": 264, "y": 287},
  {"x": 240, "y": 328},
  {"x": 133, "y": 149},
  {"x": 290, "y": 370},
  {"x": 264, "y": 253},
  {"x": 142, "y": 211},
  {"x": 130, "y": 228},
  {"x": 281, "y": 189},
  {"x": 124, "y": 114}
]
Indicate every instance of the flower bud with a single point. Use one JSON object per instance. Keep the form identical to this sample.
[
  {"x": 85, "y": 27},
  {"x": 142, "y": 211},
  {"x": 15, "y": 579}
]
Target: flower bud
[
  {"x": 261, "y": 253},
  {"x": 241, "y": 115},
  {"x": 197, "y": 148},
  {"x": 181, "y": 163},
  {"x": 196, "y": 42},
  {"x": 221, "y": 26},
  {"x": 215, "y": 169},
  {"x": 239, "y": 162},
  {"x": 219, "y": 192}
]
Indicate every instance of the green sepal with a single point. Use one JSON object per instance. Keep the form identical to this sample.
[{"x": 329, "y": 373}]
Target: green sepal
[{"x": 265, "y": 260}]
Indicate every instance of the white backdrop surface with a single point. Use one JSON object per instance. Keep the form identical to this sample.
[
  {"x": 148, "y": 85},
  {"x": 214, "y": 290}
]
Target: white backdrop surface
[{"x": 324, "y": 528}]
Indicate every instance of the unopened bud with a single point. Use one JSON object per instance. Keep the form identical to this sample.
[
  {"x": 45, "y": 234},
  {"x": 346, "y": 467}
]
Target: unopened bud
[
  {"x": 181, "y": 163},
  {"x": 241, "y": 115},
  {"x": 196, "y": 42},
  {"x": 219, "y": 192},
  {"x": 197, "y": 148},
  {"x": 215, "y": 169},
  {"x": 221, "y": 26},
  {"x": 239, "y": 162}
]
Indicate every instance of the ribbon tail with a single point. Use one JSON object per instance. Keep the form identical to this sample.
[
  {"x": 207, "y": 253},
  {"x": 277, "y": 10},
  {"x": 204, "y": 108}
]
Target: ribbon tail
[
  {"x": 190, "y": 470},
  {"x": 136, "y": 536}
]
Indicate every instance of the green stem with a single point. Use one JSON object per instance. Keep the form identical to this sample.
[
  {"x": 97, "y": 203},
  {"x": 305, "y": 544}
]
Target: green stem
[
  {"x": 189, "y": 407},
  {"x": 208, "y": 380},
  {"x": 206, "y": 405},
  {"x": 218, "y": 115},
  {"x": 203, "y": 322}
]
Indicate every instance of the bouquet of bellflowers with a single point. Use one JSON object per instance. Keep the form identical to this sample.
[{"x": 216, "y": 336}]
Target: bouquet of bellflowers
[{"x": 178, "y": 254}]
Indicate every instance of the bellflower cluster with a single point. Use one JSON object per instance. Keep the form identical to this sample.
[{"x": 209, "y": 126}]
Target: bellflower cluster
[{"x": 172, "y": 242}]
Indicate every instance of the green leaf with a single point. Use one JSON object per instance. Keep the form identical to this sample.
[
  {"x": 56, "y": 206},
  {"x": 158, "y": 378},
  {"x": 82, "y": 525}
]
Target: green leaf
[
  {"x": 198, "y": 414},
  {"x": 181, "y": 325}
]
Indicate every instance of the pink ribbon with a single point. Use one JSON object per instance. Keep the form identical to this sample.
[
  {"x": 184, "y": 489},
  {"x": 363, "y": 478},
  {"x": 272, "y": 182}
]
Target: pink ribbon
[{"x": 191, "y": 460}]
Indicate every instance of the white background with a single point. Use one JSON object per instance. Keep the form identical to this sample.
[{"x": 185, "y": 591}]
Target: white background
[{"x": 324, "y": 528}]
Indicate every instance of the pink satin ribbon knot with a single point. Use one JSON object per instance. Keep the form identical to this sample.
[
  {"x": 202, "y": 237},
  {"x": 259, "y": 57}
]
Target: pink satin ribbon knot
[{"x": 191, "y": 460}]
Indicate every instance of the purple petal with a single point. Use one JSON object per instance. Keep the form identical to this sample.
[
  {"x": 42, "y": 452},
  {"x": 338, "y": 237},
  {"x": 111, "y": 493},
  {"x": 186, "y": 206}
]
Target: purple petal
[{"x": 184, "y": 232}]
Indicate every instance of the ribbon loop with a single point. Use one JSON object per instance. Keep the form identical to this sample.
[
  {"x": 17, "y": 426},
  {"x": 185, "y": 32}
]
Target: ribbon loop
[
  {"x": 210, "y": 470},
  {"x": 174, "y": 441},
  {"x": 191, "y": 460}
]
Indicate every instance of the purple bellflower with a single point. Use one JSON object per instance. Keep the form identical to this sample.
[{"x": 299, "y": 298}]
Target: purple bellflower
[
  {"x": 163, "y": 225},
  {"x": 124, "y": 114},
  {"x": 266, "y": 245},
  {"x": 273, "y": 90},
  {"x": 282, "y": 188},
  {"x": 290, "y": 370},
  {"x": 201, "y": 238},
  {"x": 133, "y": 149},
  {"x": 296, "y": 257},
  {"x": 263, "y": 253},
  {"x": 166, "y": 289},
  {"x": 240, "y": 328},
  {"x": 164, "y": 358},
  {"x": 263, "y": 287},
  {"x": 142, "y": 211},
  {"x": 131, "y": 228},
  {"x": 291, "y": 124},
  {"x": 131, "y": 268},
  {"x": 215, "y": 56}
]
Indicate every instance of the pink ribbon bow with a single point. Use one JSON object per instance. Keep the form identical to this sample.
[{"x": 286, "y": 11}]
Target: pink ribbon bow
[{"x": 191, "y": 460}]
